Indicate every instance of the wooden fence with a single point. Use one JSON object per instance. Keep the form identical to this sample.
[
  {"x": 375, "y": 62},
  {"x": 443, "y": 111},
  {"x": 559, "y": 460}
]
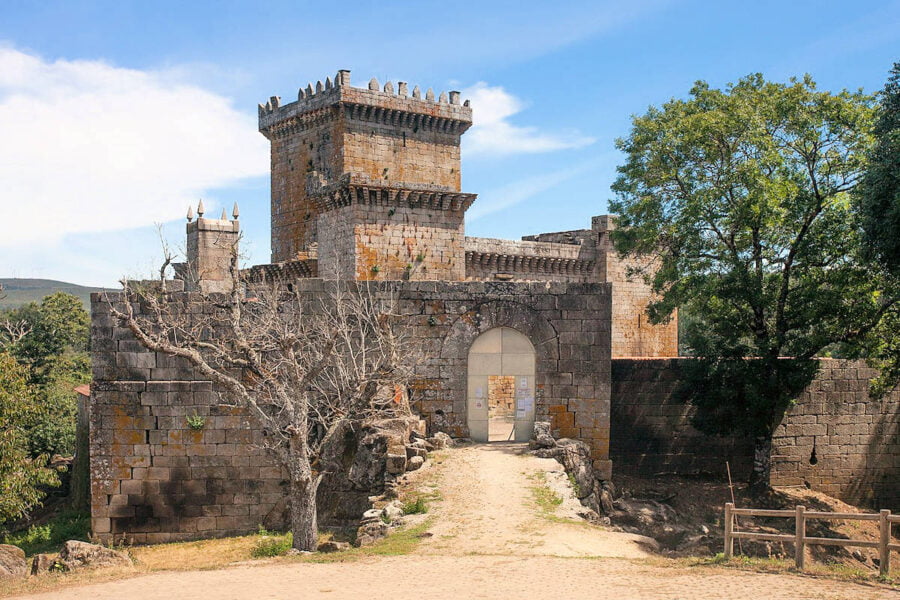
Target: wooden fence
[{"x": 801, "y": 540}]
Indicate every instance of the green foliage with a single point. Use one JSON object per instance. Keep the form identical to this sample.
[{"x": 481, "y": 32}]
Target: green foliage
[
  {"x": 55, "y": 356},
  {"x": 879, "y": 193},
  {"x": 195, "y": 422},
  {"x": 68, "y": 525},
  {"x": 21, "y": 475},
  {"x": 879, "y": 204},
  {"x": 272, "y": 544},
  {"x": 58, "y": 324},
  {"x": 53, "y": 431},
  {"x": 744, "y": 195},
  {"x": 416, "y": 507}
]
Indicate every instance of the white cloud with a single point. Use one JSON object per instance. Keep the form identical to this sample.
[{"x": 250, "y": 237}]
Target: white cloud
[
  {"x": 517, "y": 192},
  {"x": 90, "y": 147},
  {"x": 492, "y": 133}
]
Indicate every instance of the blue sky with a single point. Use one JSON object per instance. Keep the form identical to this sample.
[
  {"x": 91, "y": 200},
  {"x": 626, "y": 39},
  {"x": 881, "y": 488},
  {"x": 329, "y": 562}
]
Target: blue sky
[{"x": 116, "y": 115}]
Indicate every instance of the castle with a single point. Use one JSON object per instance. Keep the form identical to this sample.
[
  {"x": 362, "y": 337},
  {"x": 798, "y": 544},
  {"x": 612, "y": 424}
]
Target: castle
[{"x": 366, "y": 185}]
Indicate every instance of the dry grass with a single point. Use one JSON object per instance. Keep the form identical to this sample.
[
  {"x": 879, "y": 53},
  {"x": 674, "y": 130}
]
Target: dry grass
[
  {"x": 192, "y": 556},
  {"x": 205, "y": 555}
]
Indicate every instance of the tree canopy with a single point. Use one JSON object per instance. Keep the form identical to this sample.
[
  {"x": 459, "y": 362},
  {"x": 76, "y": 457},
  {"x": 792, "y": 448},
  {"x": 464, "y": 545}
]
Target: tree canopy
[
  {"x": 50, "y": 341},
  {"x": 21, "y": 475},
  {"x": 879, "y": 193},
  {"x": 745, "y": 196}
]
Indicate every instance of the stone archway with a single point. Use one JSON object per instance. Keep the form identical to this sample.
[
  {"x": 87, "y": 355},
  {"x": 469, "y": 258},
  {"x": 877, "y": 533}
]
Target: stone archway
[
  {"x": 500, "y": 397},
  {"x": 478, "y": 319}
]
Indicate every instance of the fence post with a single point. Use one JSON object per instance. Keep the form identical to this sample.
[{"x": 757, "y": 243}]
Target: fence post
[
  {"x": 884, "y": 551},
  {"x": 800, "y": 537},
  {"x": 729, "y": 529}
]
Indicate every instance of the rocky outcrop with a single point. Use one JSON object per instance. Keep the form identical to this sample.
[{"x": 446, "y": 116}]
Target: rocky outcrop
[
  {"x": 41, "y": 563},
  {"x": 593, "y": 492},
  {"x": 12, "y": 562},
  {"x": 77, "y": 555},
  {"x": 364, "y": 459}
]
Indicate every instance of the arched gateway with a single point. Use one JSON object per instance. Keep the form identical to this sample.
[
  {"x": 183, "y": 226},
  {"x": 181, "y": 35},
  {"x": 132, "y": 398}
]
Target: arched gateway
[{"x": 500, "y": 397}]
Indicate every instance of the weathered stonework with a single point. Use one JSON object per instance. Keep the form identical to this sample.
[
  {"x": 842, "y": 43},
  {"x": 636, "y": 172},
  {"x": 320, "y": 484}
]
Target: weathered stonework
[
  {"x": 856, "y": 438},
  {"x": 155, "y": 478}
]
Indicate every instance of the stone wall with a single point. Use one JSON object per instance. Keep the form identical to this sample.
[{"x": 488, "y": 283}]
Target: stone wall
[
  {"x": 633, "y": 334},
  {"x": 857, "y": 438},
  {"x": 156, "y": 478},
  {"x": 651, "y": 429},
  {"x": 501, "y": 394},
  {"x": 391, "y": 243}
]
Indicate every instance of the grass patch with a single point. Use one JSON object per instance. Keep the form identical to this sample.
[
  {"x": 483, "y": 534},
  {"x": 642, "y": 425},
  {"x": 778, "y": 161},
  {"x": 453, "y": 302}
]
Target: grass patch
[
  {"x": 416, "y": 507},
  {"x": 49, "y": 537},
  {"x": 272, "y": 544},
  {"x": 546, "y": 499},
  {"x": 400, "y": 542},
  {"x": 781, "y": 565}
]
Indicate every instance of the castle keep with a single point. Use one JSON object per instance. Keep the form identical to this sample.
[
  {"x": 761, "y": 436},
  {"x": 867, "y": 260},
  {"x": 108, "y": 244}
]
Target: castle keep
[{"x": 366, "y": 186}]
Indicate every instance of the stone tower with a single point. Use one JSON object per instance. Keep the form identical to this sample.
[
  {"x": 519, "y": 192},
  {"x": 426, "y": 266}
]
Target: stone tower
[
  {"x": 368, "y": 180},
  {"x": 211, "y": 245}
]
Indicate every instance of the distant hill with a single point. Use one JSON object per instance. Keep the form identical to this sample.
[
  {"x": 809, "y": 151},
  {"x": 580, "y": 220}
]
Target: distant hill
[{"x": 23, "y": 291}]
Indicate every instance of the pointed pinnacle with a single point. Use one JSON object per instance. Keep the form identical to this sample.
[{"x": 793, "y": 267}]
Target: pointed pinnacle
[
  {"x": 235, "y": 212},
  {"x": 224, "y": 217},
  {"x": 190, "y": 214},
  {"x": 200, "y": 210}
]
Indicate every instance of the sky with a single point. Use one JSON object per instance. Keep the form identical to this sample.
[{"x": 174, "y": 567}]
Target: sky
[{"x": 116, "y": 116}]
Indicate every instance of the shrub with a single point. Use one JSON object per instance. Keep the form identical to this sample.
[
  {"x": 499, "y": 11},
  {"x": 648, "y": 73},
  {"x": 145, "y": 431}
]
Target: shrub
[
  {"x": 272, "y": 544},
  {"x": 67, "y": 525},
  {"x": 416, "y": 507}
]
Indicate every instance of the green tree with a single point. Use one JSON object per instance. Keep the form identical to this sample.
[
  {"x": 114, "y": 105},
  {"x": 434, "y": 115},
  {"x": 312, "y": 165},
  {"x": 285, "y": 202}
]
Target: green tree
[
  {"x": 54, "y": 354},
  {"x": 58, "y": 324},
  {"x": 744, "y": 194},
  {"x": 879, "y": 193},
  {"x": 21, "y": 475},
  {"x": 879, "y": 204}
]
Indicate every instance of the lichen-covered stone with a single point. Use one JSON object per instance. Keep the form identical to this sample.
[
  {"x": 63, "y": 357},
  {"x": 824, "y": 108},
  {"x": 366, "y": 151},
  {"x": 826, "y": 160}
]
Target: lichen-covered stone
[
  {"x": 77, "y": 555},
  {"x": 12, "y": 561}
]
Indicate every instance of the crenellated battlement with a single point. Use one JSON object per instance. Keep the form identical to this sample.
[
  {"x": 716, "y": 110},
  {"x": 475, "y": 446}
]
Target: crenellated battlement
[{"x": 385, "y": 105}]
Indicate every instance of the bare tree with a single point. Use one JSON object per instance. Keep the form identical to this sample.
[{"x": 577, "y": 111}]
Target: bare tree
[
  {"x": 304, "y": 364},
  {"x": 11, "y": 332}
]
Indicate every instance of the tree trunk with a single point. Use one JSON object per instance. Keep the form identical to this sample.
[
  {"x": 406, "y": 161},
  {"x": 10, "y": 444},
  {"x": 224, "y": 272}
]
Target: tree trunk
[
  {"x": 760, "y": 476},
  {"x": 304, "y": 524}
]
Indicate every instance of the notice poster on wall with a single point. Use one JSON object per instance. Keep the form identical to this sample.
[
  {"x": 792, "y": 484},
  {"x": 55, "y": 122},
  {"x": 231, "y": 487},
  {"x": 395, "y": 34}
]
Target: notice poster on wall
[
  {"x": 523, "y": 382},
  {"x": 526, "y": 403},
  {"x": 520, "y": 414},
  {"x": 479, "y": 392}
]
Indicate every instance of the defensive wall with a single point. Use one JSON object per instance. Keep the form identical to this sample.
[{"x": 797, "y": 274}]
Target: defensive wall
[
  {"x": 856, "y": 438},
  {"x": 156, "y": 478}
]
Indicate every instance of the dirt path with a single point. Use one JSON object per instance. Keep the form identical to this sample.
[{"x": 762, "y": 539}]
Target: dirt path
[
  {"x": 488, "y": 507},
  {"x": 490, "y": 540}
]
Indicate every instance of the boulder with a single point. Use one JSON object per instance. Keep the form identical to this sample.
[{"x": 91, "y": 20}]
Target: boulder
[
  {"x": 12, "y": 562},
  {"x": 370, "y": 516},
  {"x": 77, "y": 555},
  {"x": 440, "y": 440},
  {"x": 412, "y": 451},
  {"x": 333, "y": 546},
  {"x": 41, "y": 563},
  {"x": 414, "y": 463},
  {"x": 369, "y": 533},
  {"x": 396, "y": 463},
  {"x": 392, "y": 511},
  {"x": 542, "y": 437}
]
